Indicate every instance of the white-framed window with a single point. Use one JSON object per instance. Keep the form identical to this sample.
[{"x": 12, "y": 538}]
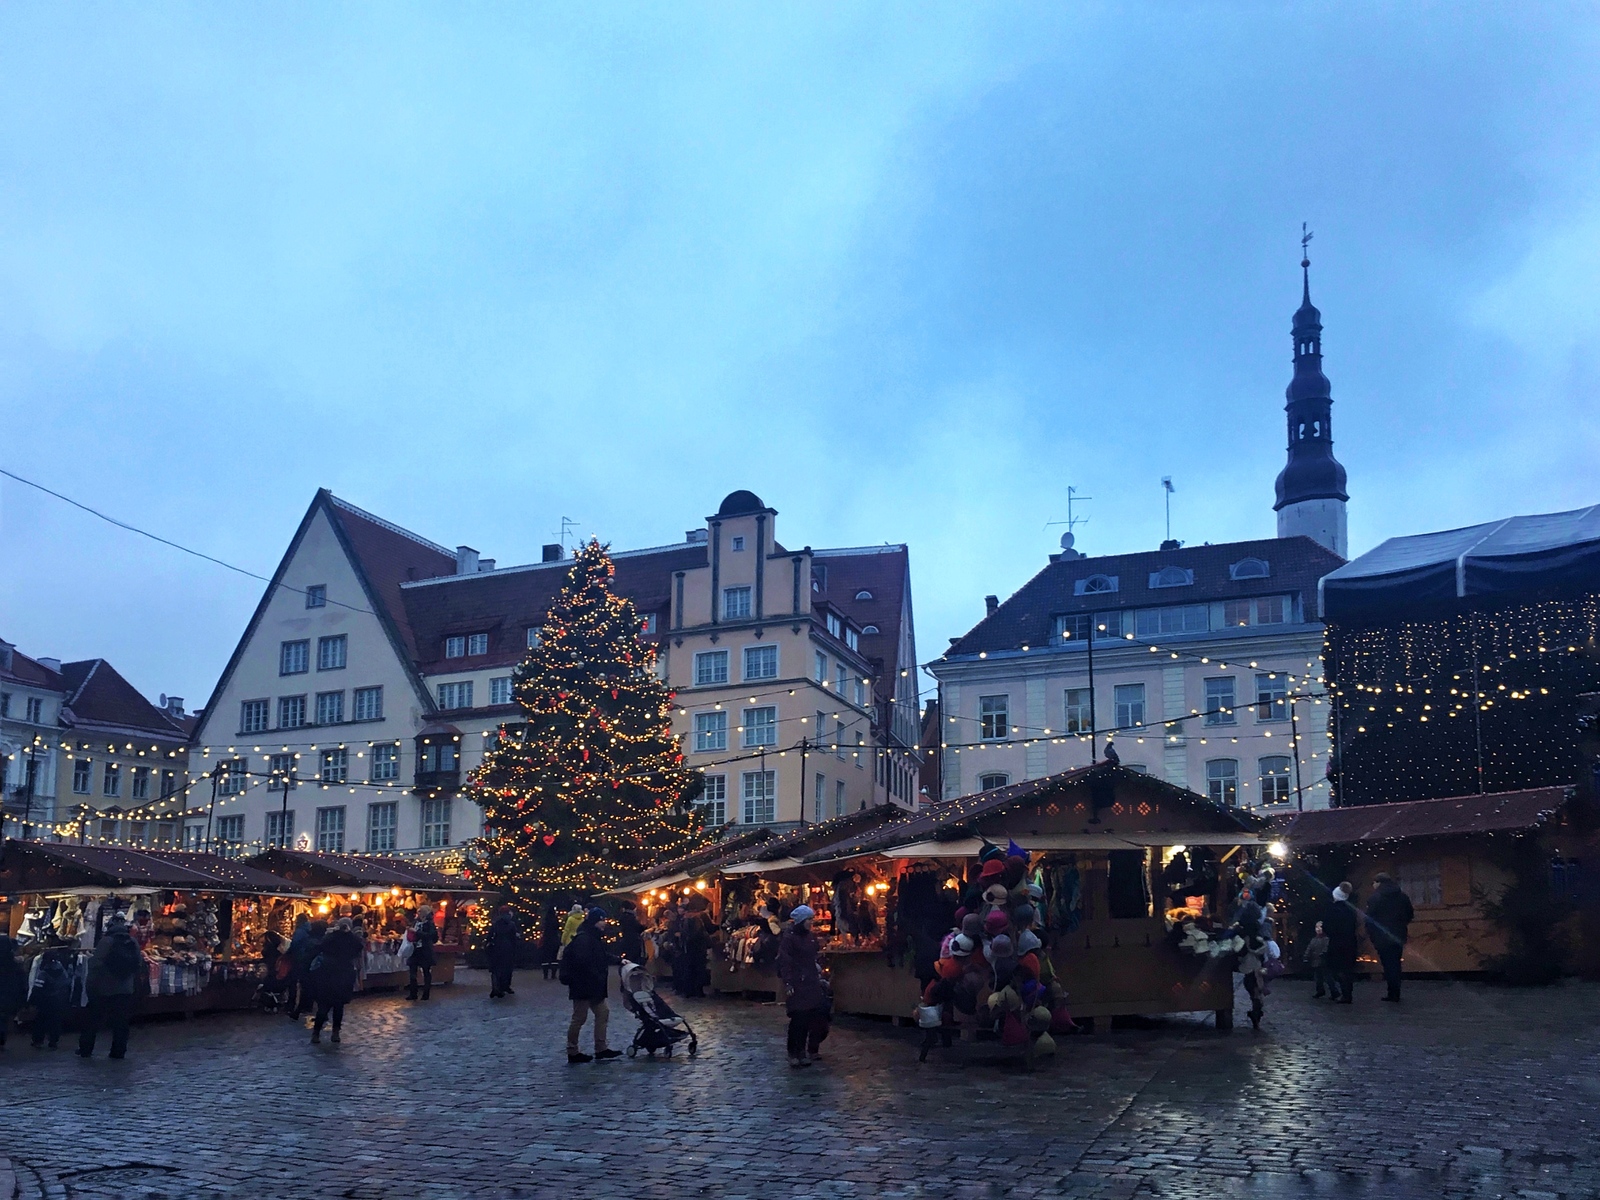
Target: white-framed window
[
  {"x": 760, "y": 662},
  {"x": 330, "y": 830},
  {"x": 819, "y": 667},
  {"x": 861, "y": 747},
  {"x": 838, "y": 736},
  {"x": 82, "y": 775},
  {"x": 253, "y": 716},
  {"x": 647, "y": 623},
  {"x": 1109, "y": 625},
  {"x": 385, "y": 763},
  {"x": 317, "y": 595},
  {"x": 759, "y": 796},
  {"x": 820, "y": 792},
  {"x": 852, "y": 638},
  {"x": 1263, "y": 610},
  {"x": 710, "y": 731},
  {"x": 835, "y": 625},
  {"x": 291, "y": 712},
  {"x": 500, "y": 689},
  {"x": 1275, "y": 779},
  {"x": 169, "y": 783},
  {"x": 439, "y": 755},
  {"x": 1172, "y": 577},
  {"x": 841, "y": 676},
  {"x": 140, "y": 789},
  {"x": 822, "y": 731},
  {"x": 382, "y": 820},
  {"x": 990, "y": 780},
  {"x": 1174, "y": 618},
  {"x": 863, "y": 594},
  {"x": 455, "y": 647},
  {"x": 330, "y": 708},
  {"x": 1421, "y": 881},
  {"x": 710, "y": 668},
  {"x": 1221, "y": 701},
  {"x": 1222, "y": 781},
  {"x": 994, "y": 718},
  {"x": 5, "y": 704},
  {"x": 1129, "y": 700},
  {"x": 861, "y": 693},
  {"x": 1077, "y": 713},
  {"x": 868, "y": 629},
  {"x": 1249, "y": 568},
  {"x": 735, "y": 603},
  {"x": 229, "y": 834},
  {"x": 35, "y": 711},
  {"x": 280, "y": 828},
  {"x": 1094, "y": 585},
  {"x": 738, "y": 543},
  {"x": 456, "y": 695},
  {"x": 294, "y": 658},
  {"x": 1072, "y": 627},
  {"x": 368, "y": 704},
  {"x": 436, "y": 823},
  {"x": 280, "y": 769},
  {"x": 331, "y": 653},
  {"x": 111, "y": 784},
  {"x": 233, "y": 776},
  {"x": 760, "y": 726},
  {"x": 1272, "y": 696},
  {"x": 713, "y": 802},
  {"x": 477, "y": 643},
  {"x": 535, "y": 636},
  {"x": 335, "y": 765}
]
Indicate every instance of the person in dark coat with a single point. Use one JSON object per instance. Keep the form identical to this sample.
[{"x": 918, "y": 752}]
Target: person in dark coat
[
  {"x": 1389, "y": 915},
  {"x": 550, "y": 941},
  {"x": 51, "y": 998},
  {"x": 113, "y": 988},
  {"x": 299, "y": 999},
  {"x": 424, "y": 936},
  {"x": 333, "y": 975},
  {"x": 800, "y": 968},
  {"x": 13, "y": 985},
  {"x": 585, "y": 969},
  {"x": 501, "y": 945},
  {"x": 631, "y": 939},
  {"x": 690, "y": 970},
  {"x": 1341, "y": 923}
]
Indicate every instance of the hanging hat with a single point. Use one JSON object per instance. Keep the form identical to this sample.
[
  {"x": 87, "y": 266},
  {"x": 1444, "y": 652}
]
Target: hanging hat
[
  {"x": 1015, "y": 869},
  {"x": 993, "y": 869},
  {"x": 1000, "y": 947},
  {"x": 995, "y": 893},
  {"x": 1035, "y": 892},
  {"x": 990, "y": 850},
  {"x": 1015, "y": 851},
  {"x": 1044, "y": 1044},
  {"x": 961, "y": 946},
  {"x": 995, "y": 923},
  {"x": 972, "y": 926},
  {"x": 1027, "y": 942},
  {"x": 1024, "y": 915},
  {"x": 961, "y": 914},
  {"x": 947, "y": 968},
  {"x": 1028, "y": 965}
]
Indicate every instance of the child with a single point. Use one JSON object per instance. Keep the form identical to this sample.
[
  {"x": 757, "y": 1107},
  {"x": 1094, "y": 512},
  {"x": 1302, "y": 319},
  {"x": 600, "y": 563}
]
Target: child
[{"x": 1317, "y": 960}]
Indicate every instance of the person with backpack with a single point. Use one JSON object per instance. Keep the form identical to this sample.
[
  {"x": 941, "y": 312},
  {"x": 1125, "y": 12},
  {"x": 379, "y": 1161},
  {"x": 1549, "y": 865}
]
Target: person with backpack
[
  {"x": 51, "y": 998},
  {"x": 13, "y": 985},
  {"x": 333, "y": 975},
  {"x": 424, "y": 935},
  {"x": 113, "y": 988},
  {"x": 586, "y": 970},
  {"x": 501, "y": 945}
]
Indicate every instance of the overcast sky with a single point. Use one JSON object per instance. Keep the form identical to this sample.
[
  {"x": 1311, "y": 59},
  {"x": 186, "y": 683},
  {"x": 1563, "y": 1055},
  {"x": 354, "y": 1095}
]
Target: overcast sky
[{"x": 905, "y": 272}]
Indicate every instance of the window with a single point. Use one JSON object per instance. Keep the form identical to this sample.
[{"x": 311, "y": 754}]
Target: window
[
  {"x": 368, "y": 704},
  {"x": 291, "y": 712},
  {"x": 331, "y": 653},
  {"x": 710, "y": 668},
  {"x": 81, "y": 770},
  {"x": 647, "y": 623},
  {"x": 738, "y": 543},
  {"x": 293, "y": 658},
  {"x": 735, "y": 603},
  {"x": 317, "y": 595},
  {"x": 1220, "y": 701},
  {"x": 819, "y": 666},
  {"x": 1176, "y": 618},
  {"x": 455, "y": 695},
  {"x": 385, "y": 763},
  {"x": 1249, "y": 568},
  {"x": 438, "y": 756},
  {"x": 994, "y": 717},
  {"x": 852, "y": 638},
  {"x": 760, "y": 662},
  {"x": 819, "y": 577},
  {"x": 5, "y": 704},
  {"x": 35, "y": 714},
  {"x": 994, "y": 779},
  {"x": 436, "y": 823},
  {"x": 835, "y": 626},
  {"x": 500, "y": 690},
  {"x": 1171, "y": 577},
  {"x": 112, "y": 783},
  {"x": 1072, "y": 627},
  {"x": 280, "y": 828},
  {"x": 1272, "y": 697},
  {"x": 710, "y": 731},
  {"x": 713, "y": 802},
  {"x": 820, "y": 792},
  {"x": 1110, "y": 625},
  {"x": 838, "y": 736},
  {"x": 335, "y": 766},
  {"x": 1420, "y": 881},
  {"x": 1129, "y": 699},
  {"x": 1077, "y": 710},
  {"x": 229, "y": 832},
  {"x": 330, "y": 708},
  {"x": 455, "y": 647},
  {"x": 477, "y": 643},
  {"x": 141, "y": 784},
  {"x": 838, "y": 798},
  {"x": 535, "y": 636},
  {"x": 1266, "y": 610},
  {"x": 253, "y": 716},
  {"x": 863, "y": 594},
  {"x": 280, "y": 769},
  {"x": 381, "y": 822},
  {"x": 1094, "y": 585},
  {"x": 841, "y": 676},
  {"x": 759, "y": 793},
  {"x": 861, "y": 693},
  {"x": 1275, "y": 779},
  {"x": 330, "y": 830},
  {"x": 868, "y": 629},
  {"x": 760, "y": 726},
  {"x": 169, "y": 783},
  {"x": 1222, "y": 781},
  {"x": 233, "y": 776}
]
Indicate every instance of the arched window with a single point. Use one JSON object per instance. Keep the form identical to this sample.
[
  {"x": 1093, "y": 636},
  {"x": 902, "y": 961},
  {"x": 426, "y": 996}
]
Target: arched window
[
  {"x": 1098, "y": 583},
  {"x": 863, "y": 594},
  {"x": 865, "y": 629},
  {"x": 1249, "y": 568},
  {"x": 994, "y": 779},
  {"x": 1171, "y": 577}
]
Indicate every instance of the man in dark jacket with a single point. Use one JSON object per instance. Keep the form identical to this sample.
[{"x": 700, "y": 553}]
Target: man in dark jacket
[
  {"x": 334, "y": 973},
  {"x": 113, "y": 988},
  {"x": 51, "y": 998},
  {"x": 501, "y": 946},
  {"x": 1341, "y": 923},
  {"x": 585, "y": 969},
  {"x": 299, "y": 995},
  {"x": 1389, "y": 914},
  {"x": 424, "y": 936},
  {"x": 631, "y": 941},
  {"x": 13, "y": 985}
]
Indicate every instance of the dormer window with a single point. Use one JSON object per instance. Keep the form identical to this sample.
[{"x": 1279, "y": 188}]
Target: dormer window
[
  {"x": 869, "y": 629},
  {"x": 477, "y": 643},
  {"x": 835, "y": 626},
  {"x": 852, "y": 638},
  {"x": 1172, "y": 577},
  {"x": 863, "y": 594},
  {"x": 1094, "y": 585},
  {"x": 1249, "y": 568}
]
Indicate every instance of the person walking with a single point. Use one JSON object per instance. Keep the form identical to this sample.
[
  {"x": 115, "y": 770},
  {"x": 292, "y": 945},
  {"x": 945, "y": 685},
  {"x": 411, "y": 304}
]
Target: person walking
[
  {"x": 13, "y": 986},
  {"x": 1341, "y": 923},
  {"x": 631, "y": 934},
  {"x": 550, "y": 941},
  {"x": 333, "y": 975},
  {"x": 586, "y": 970},
  {"x": 501, "y": 945},
  {"x": 690, "y": 971},
  {"x": 1317, "y": 960},
  {"x": 113, "y": 988},
  {"x": 51, "y": 998},
  {"x": 800, "y": 968},
  {"x": 424, "y": 935},
  {"x": 298, "y": 962},
  {"x": 1389, "y": 915}
]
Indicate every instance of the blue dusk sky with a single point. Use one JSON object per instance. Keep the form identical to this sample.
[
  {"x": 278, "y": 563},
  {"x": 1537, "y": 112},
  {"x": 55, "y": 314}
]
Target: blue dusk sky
[{"x": 908, "y": 272}]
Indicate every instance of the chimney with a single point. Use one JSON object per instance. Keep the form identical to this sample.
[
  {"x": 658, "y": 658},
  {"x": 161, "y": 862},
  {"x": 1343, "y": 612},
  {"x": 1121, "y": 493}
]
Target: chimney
[
  {"x": 990, "y": 603},
  {"x": 173, "y": 705},
  {"x": 50, "y": 664},
  {"x": 466, "y": 560},
  {"x": 697, "y": 537},
  {"x": 553, "y": 552},
  {"x": 485, "y": 564},
  {"x": 5, "y": 655}
]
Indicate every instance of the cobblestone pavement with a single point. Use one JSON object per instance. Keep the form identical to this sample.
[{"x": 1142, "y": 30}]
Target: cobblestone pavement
[{"x": 1462, "y": 1091}]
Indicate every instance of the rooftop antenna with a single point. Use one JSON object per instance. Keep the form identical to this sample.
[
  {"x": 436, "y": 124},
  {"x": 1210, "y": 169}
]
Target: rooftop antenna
[
  {"x": 567, "y": 526},
  {"x": 1166, "y": 482},
  {"x": 1072, "y": 522}
]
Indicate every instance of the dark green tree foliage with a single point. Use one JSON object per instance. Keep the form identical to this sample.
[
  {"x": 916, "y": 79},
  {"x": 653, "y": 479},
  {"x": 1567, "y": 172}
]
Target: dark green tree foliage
[{"x": 1530, "y": 911}]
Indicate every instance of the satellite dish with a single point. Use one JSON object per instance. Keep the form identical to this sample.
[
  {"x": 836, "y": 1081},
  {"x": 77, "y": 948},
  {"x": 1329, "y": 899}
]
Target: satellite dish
[{"x": 1067, "y": 540}]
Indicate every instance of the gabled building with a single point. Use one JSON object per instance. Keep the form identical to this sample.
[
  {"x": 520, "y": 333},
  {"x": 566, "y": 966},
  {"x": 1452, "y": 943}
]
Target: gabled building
[
  {"x": 378, "y": 662},
  {"x": 31, "y": 695}
]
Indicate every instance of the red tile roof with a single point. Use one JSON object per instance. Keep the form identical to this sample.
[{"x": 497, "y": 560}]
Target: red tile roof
[
  {"x": 884, "y": 572},
  {"x": 100, "y": 699},
  {"x": 390, "y": 556},
  {"x": 1492, "y": 812},
  {"x": 30, "y": 672}
]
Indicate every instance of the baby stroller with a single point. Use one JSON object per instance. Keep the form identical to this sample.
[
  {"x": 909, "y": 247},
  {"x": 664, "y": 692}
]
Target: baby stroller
[
  {"x": 273, "y": 991},
  {"x": 659, "y": 1027}
]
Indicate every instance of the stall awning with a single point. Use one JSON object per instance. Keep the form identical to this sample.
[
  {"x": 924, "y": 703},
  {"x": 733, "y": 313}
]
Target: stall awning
[
  {"x": 634, "y": 889},
  {"x": 54, "y": 867},
  {"x": 344, "y": 873},
  {"x": 1088, "y": 842},
  {"x": 759, "y": 867}
]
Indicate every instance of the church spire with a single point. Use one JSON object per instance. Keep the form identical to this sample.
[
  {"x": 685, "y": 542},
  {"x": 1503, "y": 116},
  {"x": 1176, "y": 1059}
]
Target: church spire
[{"x": 1311, "y": 487}]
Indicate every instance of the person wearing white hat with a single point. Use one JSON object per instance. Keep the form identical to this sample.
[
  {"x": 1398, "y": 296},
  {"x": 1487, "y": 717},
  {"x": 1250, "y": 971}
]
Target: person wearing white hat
[{"x": 800, "y": 968}]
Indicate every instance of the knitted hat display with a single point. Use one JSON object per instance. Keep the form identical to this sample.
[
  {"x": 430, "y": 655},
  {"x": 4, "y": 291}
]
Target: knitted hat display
[
  {"x": 961, "y": 915},
  {"x": 1035, "y": 892}
]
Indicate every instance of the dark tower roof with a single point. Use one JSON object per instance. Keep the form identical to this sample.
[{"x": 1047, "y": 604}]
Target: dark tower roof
[
  {"x": 1312, "y": 472},
  {"x": 740, "y": 502}
]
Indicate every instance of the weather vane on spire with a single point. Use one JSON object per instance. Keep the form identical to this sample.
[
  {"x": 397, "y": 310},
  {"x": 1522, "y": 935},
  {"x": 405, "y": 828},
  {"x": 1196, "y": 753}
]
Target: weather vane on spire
[{"x": 1305, "y": 245}]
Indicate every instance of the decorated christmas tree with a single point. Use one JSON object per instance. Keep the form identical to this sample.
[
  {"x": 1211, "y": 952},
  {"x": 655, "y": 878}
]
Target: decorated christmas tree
[{"x": 593, "y": 785}]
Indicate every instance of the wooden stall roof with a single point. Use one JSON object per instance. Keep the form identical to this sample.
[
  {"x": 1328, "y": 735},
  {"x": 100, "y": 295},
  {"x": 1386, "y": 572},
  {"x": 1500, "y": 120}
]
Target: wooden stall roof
[
  {"x": 705, "y": 858},
  {"x": 49, "y": 866},
  {"x": 322, "y": 870},
  {"x": 1452, "y": 816}
]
